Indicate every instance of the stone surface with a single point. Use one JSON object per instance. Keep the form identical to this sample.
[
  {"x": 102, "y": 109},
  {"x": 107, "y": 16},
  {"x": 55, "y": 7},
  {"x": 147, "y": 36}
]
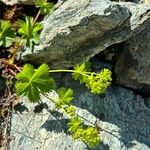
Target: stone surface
[
  {"x": 121, "y": 114},
  {"x": 13, "y": 2},
  {"x": 133, "y": 65},
  {"x": 147, "y": 101},
  {"x": 79, "y": 29}
]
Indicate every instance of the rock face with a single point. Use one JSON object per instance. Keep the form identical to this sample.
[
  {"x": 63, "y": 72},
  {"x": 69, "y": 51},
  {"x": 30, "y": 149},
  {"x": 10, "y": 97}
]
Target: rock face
[
  {"x": 133, "y": 65},
  {"x": 79, "y": 29},
  {"x": 121, "y": 114},
  {"x": 13, "y": 2}
]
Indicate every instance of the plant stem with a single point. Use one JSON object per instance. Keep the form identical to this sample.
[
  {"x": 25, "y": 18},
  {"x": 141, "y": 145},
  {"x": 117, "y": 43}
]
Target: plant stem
[
  {"x": 52, "y": 100},
  {"x": 71, "y": 71},
  {"x": 38, "y": 14}
]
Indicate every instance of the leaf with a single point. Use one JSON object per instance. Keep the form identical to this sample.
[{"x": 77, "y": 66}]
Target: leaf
[
  {"x": 45, "y": 7},
  {"x": 65, "y": 97},
  {"x": 29, "y": 31},
  {"x": 7, "y": 34},
  {"x": 80, "y": 71},
  {"x": 31, "y": 83}
]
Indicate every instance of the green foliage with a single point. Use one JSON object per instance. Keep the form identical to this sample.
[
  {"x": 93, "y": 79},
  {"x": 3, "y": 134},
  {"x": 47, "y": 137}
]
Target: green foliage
[
  {"x": 81, "y": 71},
  {"x": 45, "y": 7},
  {"x": 87, "y": 134},
  {"x": 91, "y": 136},
  {"x": 29, "y": 31},
  {"x": 65, "y": 97},
  {"x": 74, "y": 124},
  {"x": 99, "y": 83},
  {"x": 96, "y": 82},
  {"x": 70, "y": 110},
  {"x": 31, "y": 83},
  {"x": 7, "y": 34}
]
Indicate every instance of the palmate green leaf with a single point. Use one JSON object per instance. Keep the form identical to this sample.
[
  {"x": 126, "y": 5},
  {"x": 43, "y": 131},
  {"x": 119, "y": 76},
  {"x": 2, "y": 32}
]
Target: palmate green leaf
[
  {"x": 29, "y": 31},
  {"x": 7, "y": 34},
  {"x": 80, "y": 71},
  {"x": 65, "y": 97},
  {"x": 31, "y": 83},
  {"x": 45, "y": 7}
]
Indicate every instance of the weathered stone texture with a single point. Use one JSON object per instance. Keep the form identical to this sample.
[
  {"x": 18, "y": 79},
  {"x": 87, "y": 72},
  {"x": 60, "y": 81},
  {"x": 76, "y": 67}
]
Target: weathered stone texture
[
  {"x": 79, "y": 29},
  {"x": 133, "y": 65}
]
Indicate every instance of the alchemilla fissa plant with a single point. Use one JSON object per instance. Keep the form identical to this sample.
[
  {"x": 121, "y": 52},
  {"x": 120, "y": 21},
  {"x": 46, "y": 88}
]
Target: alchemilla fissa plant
[{"x": 35, "y": 82}]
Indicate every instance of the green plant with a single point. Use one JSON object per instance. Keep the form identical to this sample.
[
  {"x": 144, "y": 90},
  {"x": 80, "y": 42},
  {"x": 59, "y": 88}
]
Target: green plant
[
  {"x": 45, "y": 7},
  {"x": 34, "y": 82},
  {"x": 7, "y": 34},
  {"x": 29, "y": 31},
  {"x": 96, "y": 82}
]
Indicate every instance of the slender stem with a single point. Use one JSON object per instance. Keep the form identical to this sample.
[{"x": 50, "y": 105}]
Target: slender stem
[
  {"x": 61, "y": 70},
  {"x": 72, "y": 71},
  {"x": 66, "y": 113},
  {"x": 38, "y": 14},
  {"x": 61, "y": 108},
  {"x": 68, "y": 116}
]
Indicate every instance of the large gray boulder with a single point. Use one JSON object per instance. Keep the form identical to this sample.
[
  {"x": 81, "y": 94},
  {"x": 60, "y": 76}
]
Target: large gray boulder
[
  {"x": 133, "y": 65},
  {"x": 79, "y": 29},
  {"x": 13, "y": 2},
  {"x": 121, "y": 114}
]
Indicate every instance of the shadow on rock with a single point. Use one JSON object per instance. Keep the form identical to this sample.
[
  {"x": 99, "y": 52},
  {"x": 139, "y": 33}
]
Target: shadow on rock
[
  {"x": 20, "y": 107},
  {"x": 59, "y": 125}
]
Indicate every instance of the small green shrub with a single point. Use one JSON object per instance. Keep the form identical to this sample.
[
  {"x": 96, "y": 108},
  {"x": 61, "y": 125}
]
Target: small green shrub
[
  {"x": 29, "y": 31},
  {"x": 7, "y": 34}
]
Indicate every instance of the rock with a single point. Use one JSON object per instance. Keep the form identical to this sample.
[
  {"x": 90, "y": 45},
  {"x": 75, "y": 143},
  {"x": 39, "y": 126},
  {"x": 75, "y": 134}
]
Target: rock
[
  {"x": 121, "y": 114},
  {"x": 147, "y": 102},
  {"x": 13, "y": 2},
  {"x": 79, "y": 29},
  {"x": 30, "y": 2},
  {"x": 133, "y": 65}
]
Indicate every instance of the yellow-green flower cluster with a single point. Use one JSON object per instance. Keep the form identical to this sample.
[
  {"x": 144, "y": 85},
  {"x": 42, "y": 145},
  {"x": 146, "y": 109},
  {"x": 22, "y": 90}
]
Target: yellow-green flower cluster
[
  {"x": 98, "y": 83},
  {"x": 84, "y": 133}
]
